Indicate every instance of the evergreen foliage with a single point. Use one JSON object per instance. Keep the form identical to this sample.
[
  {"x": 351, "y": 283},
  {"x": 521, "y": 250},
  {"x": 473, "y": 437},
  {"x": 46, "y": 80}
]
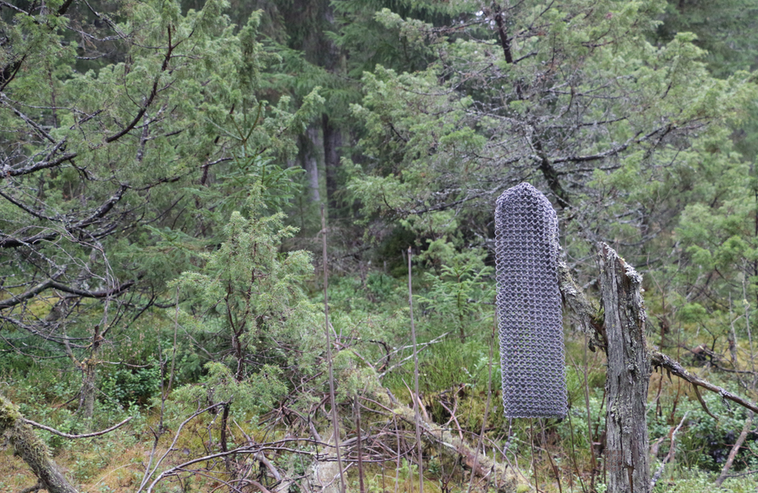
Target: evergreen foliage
[{"x": 162, "y": 166}]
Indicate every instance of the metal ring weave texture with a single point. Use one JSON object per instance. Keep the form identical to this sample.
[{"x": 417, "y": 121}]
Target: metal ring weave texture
[{"x": 529, "y": 305}]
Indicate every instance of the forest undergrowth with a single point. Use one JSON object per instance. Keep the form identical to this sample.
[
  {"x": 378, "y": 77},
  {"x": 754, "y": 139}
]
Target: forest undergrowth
[{"x": 454, "y": 376}]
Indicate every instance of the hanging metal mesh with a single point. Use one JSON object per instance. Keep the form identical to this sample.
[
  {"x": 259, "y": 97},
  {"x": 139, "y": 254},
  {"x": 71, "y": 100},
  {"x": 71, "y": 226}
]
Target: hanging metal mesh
[{"x": 529, "y": 305}]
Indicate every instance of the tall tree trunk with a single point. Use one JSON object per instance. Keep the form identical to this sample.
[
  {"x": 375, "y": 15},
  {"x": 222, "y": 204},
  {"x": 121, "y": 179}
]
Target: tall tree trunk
[
  {"x": 332, "y": 143},
  {"x": 31, "y": 449},
  {"x": 89, "y": 376},
  {"x": 626, "y": 384},
  {"x": 310, "y": 142},
  {"x": 87, "y": 396}
]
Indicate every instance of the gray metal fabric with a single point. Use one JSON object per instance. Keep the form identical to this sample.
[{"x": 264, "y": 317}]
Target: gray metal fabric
[{"x": 529, "y": 305}]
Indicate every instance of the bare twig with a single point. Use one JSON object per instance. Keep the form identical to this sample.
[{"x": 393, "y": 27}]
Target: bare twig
[
  {"x": 670, "y": 455},
  {"x": 357, "y": 407},
  {"x": 423, "y": 345},
  {"x": 85, "y": 435},
  {"x": 735, "y": 449},
  {"x": 487, "y": 405},
  {"x": 335, "y": 418},
  {"x": 148, "y": 472},
  {"x": 416, "y": 402}
]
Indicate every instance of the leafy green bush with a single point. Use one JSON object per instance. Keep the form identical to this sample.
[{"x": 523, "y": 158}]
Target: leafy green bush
[{"x": 130, "y": 386}]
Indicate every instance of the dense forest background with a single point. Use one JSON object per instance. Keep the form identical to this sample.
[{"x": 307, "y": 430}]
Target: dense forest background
[{"x": 165, "y": 165}]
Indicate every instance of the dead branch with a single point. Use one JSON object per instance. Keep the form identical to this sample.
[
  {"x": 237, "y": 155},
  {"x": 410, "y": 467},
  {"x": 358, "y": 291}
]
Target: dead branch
[
  {"x": 670, "y": 455},
  {"x": 86, "y": 435},
  {"x": 587, "y": 316},
  {"x": 735, "y": 449},
  {"x": 420, "y": 346},
  {"x": 480, "y": 464},
  {"x": 53, "y": 284},
  {"x": 660, "y": 360}
]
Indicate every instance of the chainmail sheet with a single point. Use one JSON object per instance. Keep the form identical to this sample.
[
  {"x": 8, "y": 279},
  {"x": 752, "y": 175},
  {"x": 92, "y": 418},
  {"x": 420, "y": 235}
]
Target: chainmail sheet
[{"x": 529, "y": 305}]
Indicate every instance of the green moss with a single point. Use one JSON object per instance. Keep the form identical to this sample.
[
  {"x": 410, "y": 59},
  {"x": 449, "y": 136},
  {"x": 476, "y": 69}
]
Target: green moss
[{"x": 9, "y": 414}]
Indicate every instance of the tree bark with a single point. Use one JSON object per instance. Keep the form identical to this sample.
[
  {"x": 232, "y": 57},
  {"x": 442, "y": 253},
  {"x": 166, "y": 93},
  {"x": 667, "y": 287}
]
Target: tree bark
[
  {"x": 332, "y": 143},
  {"x": 310, "y": 142},
  {"x": 89, "y": 377},
  {"x": 87, "y": 396},
  {"x": 628, "y": 375},
  {"x": 31, "y": 449}
]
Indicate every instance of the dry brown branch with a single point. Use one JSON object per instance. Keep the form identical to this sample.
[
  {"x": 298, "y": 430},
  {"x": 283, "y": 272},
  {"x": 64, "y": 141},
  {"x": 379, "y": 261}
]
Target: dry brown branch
[
  {"x": 420, "y": 346},
  {"x": 480, "y": 464},
  {"x": 148, "y": 472}
]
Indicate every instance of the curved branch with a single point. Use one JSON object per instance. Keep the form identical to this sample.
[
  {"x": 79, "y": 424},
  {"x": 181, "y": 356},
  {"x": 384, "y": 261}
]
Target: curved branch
[
  {"x": 53, "y": 284},
  {"x": 11, "y": 242},
  {"x": 93, "y": 294},
  {"x": 7, "y": 241},
  {"x": 16, "y": 300},
  {"x": 67, "y": 435},
  {"x": 153, "y": 93},
  {"x": 63, "y": 340},
  {"x": 40, "y": 165},
  {"x": 103, "y": 209}
]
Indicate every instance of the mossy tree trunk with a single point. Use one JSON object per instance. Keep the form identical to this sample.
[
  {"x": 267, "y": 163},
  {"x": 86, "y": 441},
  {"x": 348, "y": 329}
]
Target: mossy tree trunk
[
  {"x": 626, "y": 384},
  {"x": 31, "y": 449}
]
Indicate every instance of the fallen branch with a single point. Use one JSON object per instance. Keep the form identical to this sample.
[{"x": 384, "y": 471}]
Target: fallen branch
[
  {"x": 480, "y": 464},
  {"x": 660, "y": 360},
  {"x": 586, "y": 315}
]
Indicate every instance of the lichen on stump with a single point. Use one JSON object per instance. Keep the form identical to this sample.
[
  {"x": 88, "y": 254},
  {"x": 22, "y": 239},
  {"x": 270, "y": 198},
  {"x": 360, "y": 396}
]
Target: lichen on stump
[{"x": 31, "y": 449}]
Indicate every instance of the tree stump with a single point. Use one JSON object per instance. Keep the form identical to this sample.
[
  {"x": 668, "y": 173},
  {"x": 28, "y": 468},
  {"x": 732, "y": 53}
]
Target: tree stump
[{"x": 628, "y": 376}]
